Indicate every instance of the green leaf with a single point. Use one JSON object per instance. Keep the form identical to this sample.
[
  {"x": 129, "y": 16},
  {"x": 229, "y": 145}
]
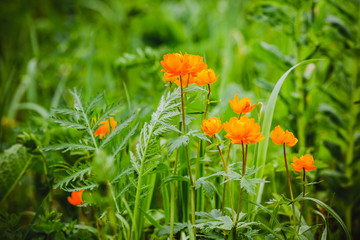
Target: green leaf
[
  {"x": 177, "y": 142},
  {"x": 331, "y": 211},
  {"x": 69, "y": 147},
  {"x": 272, "y": 54},
  {"x": 208, "y": 187},
  {"x": 117, "y": 130},
  {"x": 176, "y": 178},
  {"x": 13, "y": 164}
]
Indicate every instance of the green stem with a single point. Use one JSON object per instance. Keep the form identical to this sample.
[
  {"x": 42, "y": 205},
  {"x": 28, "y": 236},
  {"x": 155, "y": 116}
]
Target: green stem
[
  {"x": 187, "y": 158},
  {"x": 241, "y": 190},
  {"x": 302, "y": 202},
  {"x": 172, "y": 195},
  {"x": 227, "y": 164},
  {"x": 229, "y": 183},
  {"x": 199, "y": 142},
  {"x": 290, "y": 188},
  {"x": 301, "y": 121}
]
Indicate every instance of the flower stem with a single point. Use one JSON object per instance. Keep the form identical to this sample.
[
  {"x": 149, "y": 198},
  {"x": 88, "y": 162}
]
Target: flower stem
[
  {"x": 227, "y": 163},
  {"x": 187, "y": 158},
  {"x": 172, "y": 195},
  {"x": 229, "y": 183},
  {"x": 290, "y": 188},
  {"x": 302, "y": 202},
  {"x": 199, "y": 142},
  {"x": 241, "y": 190}
]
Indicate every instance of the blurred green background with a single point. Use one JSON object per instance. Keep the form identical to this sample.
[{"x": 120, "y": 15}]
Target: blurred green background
[{"x": 48, "y": 47}]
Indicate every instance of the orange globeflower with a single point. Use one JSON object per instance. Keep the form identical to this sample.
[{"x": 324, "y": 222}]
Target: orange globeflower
[
  {"x": 243, "y": 130},
  {"x": 211, "y": 126},
  {"x": 243, "y": 106},
  {"x": 76, "y": 198},
  {"x": 305, "y": 162},
  {"x": 196, "y": 64},
  {"x": 206, "y": 77},
  {"x": 278, "y": 136},
  {"x": 105, "y": 128},
  {"x": 175, "y": 64}
]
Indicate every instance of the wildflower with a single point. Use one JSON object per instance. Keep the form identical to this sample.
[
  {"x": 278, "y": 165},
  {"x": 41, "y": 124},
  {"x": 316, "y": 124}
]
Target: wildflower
[
  {"x": 305, "y": 162},
  {"x": 211, "y": 126},
  {"x": 243, "y": 106},
  {"x": 176, "y": 64},
  {"x": 105, "y": 128},
  {"x": 196, "y": 64},
  {"x": 206, "y": 77},
  {"x": 278, "y": 136},
  {"x": 243, "y": 130},
  {"x": 76, "y": 198}
]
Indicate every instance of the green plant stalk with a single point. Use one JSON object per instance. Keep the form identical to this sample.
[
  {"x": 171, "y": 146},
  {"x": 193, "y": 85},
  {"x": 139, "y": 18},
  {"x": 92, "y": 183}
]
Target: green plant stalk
[
  {"x": 187, "y": 159},
  {"x": 199, "y": 142},
  {"x": 229, "y": 183},
  {"x": 302, "y": 202},
  {"x": 241, "y": 190},
  {"x": 290, "y": 188},
  {"x": 227, "y": 164},
  {"x": 172, "y": 194},
  {"x": 134, "y": 230},
  {"x": 301, "y": 120}
]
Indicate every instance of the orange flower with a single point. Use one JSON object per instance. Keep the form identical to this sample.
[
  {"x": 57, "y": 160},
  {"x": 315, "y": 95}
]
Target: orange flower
[
  {"x": 243, "y": 130},
  {"x": 176, "y": 64},
  {"x": 305, "y": 162},
  {"x": 206, "y": 77},
  {"x": 211, "y": 126},
  {"x": 243, "y": 106},
  {"x": 76, "y": 198},
  {"x": 176, "y": 80},
  {"x": 196, "y": 64},
  {"x": 105, "y": 128},
  {"x": 278, "y": 136}
]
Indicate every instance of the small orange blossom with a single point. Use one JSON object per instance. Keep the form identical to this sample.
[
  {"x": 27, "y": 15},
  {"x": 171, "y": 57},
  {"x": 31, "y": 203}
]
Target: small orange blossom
[
  {"x": 206, "y": 77},
  {"x": 211, "y": 126},
  {"x": 105, "y": 128},
  {"x": 305, "y": 162},
  {"x": 243, "y": 106},
  {"x": 76, "y": 198},
  {"x": 278, "y": 136}
]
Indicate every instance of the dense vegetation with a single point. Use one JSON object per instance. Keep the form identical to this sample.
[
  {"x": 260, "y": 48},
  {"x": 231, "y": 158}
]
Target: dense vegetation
[{"x": 96, "y": 145}]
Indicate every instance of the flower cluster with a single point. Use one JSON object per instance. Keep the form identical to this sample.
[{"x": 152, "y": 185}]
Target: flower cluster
[
  {"x": 190, "y": 68},
  {"x": 242, "y": 130}
]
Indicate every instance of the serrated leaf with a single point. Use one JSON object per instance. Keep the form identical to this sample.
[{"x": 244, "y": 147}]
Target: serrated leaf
[
  {"x": 117, "y": 130},
  {"x": 208, "y": 187},
  {"x": 95, "y": 101},
  {"x": 177, "y": 143},
  {"x": 176, "y": 178},
  {"x": 69, "y": 147},
  {"x": 13, "y": 164}
]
